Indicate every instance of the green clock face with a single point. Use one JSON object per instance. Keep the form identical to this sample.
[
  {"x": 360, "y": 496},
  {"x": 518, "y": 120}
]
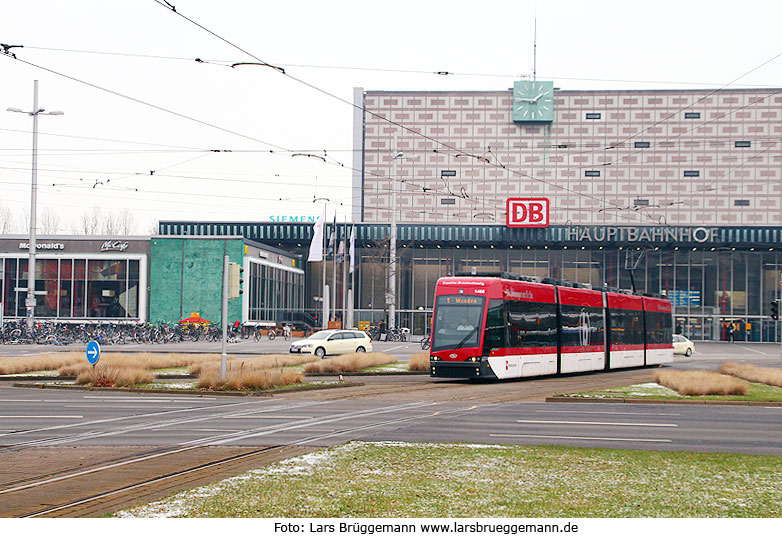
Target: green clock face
[{"x": 533, "y": 101}]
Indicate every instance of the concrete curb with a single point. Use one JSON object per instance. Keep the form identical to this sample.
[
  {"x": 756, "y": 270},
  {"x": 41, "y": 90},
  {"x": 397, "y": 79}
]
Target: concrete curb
[
  {"x": 267, "y": 393},
  {"x": 363, "y": 374},
  {"x": 169, "y": 377},
  {"x": 561, "y": 399}
]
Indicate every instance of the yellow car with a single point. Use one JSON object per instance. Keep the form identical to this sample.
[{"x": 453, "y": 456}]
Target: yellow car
[
  {"x": 682, "y": 346},
  {"x": 333, "y": 342}
]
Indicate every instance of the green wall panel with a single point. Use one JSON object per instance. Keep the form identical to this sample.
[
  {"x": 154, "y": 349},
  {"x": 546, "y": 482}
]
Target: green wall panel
[{"x": 186, "y": 275}]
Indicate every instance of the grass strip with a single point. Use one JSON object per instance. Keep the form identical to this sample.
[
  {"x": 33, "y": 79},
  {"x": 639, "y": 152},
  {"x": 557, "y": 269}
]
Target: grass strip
[
  {"x": 434, "y": 480},
  {"x": 756, "y": 392}
]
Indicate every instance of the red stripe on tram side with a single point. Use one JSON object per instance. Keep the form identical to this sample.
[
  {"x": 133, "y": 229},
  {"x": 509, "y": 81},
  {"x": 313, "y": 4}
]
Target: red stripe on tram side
[
  {"x": 652, "y": 304},
  {"x": 509, "y": 351},
  {"x": 627, "y": 347},
  {"x": 659, "y": 346},
  {"x": 582, "y": 349},
  {"x": 580, "y": 297},
  {"x": 624, "y": 302}
]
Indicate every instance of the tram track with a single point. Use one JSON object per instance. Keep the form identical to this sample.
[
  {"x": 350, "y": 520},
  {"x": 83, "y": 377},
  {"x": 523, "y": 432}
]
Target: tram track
[
  {"x": 141, "y": 476},
  {"x": 506, "y": 391},
  {"x": 134, "y": 475},
  {"x": 108, "y": 491}
]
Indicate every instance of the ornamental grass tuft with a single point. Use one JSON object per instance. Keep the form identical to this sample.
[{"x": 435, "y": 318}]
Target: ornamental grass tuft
[
  {"x": 244, "y": 377},
  {"x": 352, "y": 362},
  {"x": 756, "y": 374},
  {"x": 419, "y": 362},
  {"x": 700, "y": 383}
]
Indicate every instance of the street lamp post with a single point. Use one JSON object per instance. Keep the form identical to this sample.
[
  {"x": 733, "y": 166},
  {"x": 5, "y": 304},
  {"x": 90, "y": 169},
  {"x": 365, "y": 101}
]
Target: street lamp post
[
  {"x": 392, "y": 243},
  {"x": 30, "y": 302}
]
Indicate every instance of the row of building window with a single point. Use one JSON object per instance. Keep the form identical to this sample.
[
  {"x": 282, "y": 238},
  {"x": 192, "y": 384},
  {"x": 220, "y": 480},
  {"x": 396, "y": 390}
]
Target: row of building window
[
  {"x": 641, "y": 202},
  {"x": 687, "y": 173},
  {"x": 737, "y": 143},
  {"x": 687, "y": 115}
]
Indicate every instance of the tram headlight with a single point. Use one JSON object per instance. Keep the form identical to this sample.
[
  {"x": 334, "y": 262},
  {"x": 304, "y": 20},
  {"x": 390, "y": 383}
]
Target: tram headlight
[{"x": 473, "y": 359}]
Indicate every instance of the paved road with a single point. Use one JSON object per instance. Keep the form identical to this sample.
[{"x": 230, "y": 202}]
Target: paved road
[
  {"x": 403, "y": 350},
  {"x": 31, "y": 417},
  {"x": 34, "y": 418}
]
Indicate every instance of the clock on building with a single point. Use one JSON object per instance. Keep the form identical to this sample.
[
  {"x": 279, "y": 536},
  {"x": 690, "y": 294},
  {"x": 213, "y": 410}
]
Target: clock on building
[{"x": 533, "y": 101}]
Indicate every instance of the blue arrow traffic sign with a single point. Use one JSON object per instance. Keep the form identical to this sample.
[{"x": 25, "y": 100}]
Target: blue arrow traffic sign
[{"x": 93, "y": 352}]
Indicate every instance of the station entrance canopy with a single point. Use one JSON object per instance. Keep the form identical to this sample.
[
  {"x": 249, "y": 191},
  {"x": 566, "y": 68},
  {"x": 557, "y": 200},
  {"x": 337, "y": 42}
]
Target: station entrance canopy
[{"x": 293, "y": 233}]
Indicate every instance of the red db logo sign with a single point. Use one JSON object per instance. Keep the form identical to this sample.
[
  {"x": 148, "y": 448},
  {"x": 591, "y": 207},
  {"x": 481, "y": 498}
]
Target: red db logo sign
[{"x": 527, "y": 212}]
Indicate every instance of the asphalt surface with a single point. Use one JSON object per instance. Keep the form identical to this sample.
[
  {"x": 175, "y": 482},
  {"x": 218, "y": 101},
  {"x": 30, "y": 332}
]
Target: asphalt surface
[
  {"x": 34, "y": 418},
  {"x": 75, "y": 453},
  {"x": 403, "y": 350},
  {"x": 399, "y": 408}
]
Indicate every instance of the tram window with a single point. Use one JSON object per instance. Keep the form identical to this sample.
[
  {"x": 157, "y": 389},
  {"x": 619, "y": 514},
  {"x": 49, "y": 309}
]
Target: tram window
[
  {"x": 582, "y": 326},
  {"x": 531, "y": 324},
  {"x": 626, "y": 327},
  {"x": 495, "y": 336},
  {"x": 659, "y": 328},
  {"x": 458, "y": 321}
]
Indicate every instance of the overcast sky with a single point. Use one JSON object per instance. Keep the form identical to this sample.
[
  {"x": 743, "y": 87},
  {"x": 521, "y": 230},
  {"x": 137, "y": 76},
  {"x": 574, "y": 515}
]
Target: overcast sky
[{"x": 332, "y": 46}]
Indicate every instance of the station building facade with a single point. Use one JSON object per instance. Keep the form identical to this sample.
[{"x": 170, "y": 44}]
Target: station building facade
[
  {"x": 713, "y": 275},
  {"x": 690, "y": 178}
]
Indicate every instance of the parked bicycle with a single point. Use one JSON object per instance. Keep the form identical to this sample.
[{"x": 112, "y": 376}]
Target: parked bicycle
[{"x": 426, "y": 343}]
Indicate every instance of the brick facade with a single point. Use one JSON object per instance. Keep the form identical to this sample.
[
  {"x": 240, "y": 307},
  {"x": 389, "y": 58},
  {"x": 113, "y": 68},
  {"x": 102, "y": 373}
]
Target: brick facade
[{"x": 624, "y": 157}]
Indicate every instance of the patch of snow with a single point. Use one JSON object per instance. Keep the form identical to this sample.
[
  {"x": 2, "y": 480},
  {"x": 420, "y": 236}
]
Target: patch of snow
[
  {"x": 42, "y": 373},
  {"x": 181, "y": 385}
]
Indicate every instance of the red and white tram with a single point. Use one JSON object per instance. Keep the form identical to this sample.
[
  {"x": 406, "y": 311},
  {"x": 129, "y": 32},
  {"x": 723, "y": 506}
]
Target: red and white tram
[{"x": 509, "y": 327}]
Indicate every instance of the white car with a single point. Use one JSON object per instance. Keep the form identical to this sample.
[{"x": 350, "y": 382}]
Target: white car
[
  {"x": 682, "y": 346},
  {"x": 333, "y": 342}
]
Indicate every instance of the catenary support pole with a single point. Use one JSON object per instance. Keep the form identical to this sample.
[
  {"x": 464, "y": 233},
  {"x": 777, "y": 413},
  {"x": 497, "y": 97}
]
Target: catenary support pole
[
  {"x": 392, "y": 243},
  {"x": 224, "y": 348}
]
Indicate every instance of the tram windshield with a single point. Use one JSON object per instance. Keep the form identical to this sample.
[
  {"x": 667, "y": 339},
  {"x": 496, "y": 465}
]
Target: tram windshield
[{"x": 458, "y": 321}]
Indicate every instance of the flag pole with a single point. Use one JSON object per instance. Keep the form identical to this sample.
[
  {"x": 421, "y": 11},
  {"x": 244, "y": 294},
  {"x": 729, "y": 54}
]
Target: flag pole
[
  {"x": 323, "y": 313},
  {"x": 352, "y": 295},
  {"x": 333, "y": 305},
  {"x": 345, "y": 274}
]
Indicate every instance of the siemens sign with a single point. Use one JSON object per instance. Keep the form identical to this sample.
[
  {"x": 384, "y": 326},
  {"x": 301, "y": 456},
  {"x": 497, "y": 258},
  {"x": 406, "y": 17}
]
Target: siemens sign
[
  {"x": 651, "y": 234},
  {"x": 293, "y": 218}
]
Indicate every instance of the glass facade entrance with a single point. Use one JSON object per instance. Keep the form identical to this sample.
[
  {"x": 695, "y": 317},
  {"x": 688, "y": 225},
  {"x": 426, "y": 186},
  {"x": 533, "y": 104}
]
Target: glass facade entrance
[
  {"x": 711, "y": 290},
  {"x": 721, "y": 280}
]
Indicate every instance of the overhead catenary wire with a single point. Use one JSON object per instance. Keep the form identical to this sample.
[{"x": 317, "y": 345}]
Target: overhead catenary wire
[
  {"x": 467, "y": 154},
  {"x": 170, "y": 7},
  {"x": 433, "y": 71},
  {"x": 553, "y": 185}
]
